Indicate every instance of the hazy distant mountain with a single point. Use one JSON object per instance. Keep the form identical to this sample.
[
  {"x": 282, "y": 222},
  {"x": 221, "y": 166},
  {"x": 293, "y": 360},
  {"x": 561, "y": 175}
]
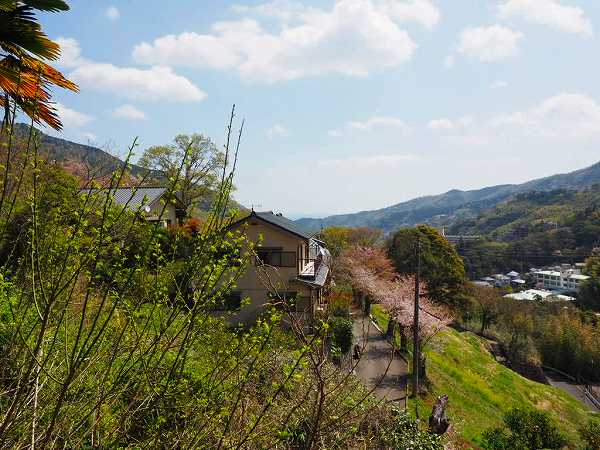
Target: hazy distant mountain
[{"x": 455, "y": 205}]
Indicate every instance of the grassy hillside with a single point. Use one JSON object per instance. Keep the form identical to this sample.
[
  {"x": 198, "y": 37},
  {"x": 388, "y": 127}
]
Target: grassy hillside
[{"x": 481, "y": 390}]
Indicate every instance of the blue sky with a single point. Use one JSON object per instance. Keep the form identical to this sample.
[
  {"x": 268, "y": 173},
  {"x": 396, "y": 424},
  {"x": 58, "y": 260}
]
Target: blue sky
[{"x": 349, "y": 104}]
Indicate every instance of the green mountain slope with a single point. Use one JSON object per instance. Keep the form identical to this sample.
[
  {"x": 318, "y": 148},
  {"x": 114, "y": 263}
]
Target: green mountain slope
[
  {"x": 61, "y": 151},
  {"x": 98, "y": 161},
  {"x": 455, "y": 205},
  {"x": 527, "y": 215}
]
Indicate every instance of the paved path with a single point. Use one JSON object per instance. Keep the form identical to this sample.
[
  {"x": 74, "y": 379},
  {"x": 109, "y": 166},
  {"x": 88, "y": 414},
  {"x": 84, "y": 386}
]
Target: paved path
[
  {"x": 378, "y": 368},
  {"x": 570, "y": 387}
]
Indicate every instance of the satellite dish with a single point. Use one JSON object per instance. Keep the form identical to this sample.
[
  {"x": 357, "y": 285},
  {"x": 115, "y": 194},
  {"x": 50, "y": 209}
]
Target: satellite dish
[{"x": 147, "y": 208}]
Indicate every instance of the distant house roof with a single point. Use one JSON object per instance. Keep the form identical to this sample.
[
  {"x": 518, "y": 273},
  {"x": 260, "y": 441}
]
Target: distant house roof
[
  {"x": 279, "y": 221},
  {"x": 513, "y": 274},
  {"x": 133, "y": 198},
  {"x": 518, "y": 281},
  {"x": 532, "y": 294}
]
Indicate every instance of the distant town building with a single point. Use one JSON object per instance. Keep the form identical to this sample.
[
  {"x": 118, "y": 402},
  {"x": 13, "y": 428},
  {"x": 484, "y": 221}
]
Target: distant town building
[
  {"x": 536, "y": 294},
  {"x": 560, "y": 278}
]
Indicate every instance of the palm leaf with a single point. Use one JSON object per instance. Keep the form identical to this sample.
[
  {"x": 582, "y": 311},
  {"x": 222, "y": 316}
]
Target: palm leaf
[
  {"x": 19, "y": 31},
  {"x": 42, "y": 5}
]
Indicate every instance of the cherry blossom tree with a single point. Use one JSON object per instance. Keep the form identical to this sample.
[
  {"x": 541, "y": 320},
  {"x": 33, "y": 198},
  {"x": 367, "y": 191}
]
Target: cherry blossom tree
[{"x": 371, "y": 274}]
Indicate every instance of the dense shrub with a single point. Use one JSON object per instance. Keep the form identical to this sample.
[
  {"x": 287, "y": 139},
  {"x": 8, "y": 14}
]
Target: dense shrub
[
  {"x": 590, "y": 434},
  {"x": 408, "y": 435},
  {"x": 525, "y": 429},
  {"x": 341, "y": 334}
]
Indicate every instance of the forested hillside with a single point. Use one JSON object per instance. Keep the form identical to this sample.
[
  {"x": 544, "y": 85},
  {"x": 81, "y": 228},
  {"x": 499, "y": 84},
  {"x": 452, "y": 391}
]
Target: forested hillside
[
  {"x": 532, "y": 229},
  {"x": 454, "y": 206},
  {"x": 66, "y": 152}
]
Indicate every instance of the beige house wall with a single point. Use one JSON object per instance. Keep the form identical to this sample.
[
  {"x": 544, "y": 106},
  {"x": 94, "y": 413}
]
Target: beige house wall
[
  {"x": 256, "y": 282},
  {"x": 169, "y": 214}
]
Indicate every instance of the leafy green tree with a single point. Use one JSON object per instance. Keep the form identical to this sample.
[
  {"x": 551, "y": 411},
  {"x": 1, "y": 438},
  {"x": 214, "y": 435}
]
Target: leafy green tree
[
  {"x": 487, "y": 305},
  {"x": 340, "y": 239},
  {"x": 526, "y": 429},
  {"x": 441, "y": 266},
  {"x": 193, "y": 161},
  {"x": 589, "y": 294}
]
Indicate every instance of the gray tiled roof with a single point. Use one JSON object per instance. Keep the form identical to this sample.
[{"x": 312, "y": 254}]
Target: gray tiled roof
[
  {"x": 134, "y": 198},
  {"x": 283, "y": 222}
]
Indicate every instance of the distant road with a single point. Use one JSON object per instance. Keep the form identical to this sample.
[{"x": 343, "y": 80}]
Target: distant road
[
  {"x": 378, "y": 368},
  {"x": 572, "y": 388}
]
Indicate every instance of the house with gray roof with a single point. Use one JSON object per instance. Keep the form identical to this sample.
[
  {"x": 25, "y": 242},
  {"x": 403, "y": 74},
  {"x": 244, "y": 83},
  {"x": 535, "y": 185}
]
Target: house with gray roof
[
  {"x": 153, "y": 202},
  {"x": 290, "y": 268}
]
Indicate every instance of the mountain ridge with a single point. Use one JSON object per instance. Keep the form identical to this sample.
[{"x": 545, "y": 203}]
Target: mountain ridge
[
  {"x": 445, "y": 209},
  {"x": 64, "y": 151}
]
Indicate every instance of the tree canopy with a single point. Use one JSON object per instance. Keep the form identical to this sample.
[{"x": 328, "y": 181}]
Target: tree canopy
[
  {"x": 441, "y": 266},
  {"x": 589, "y": 294},
  {"x": 193, "y": 162},
  {"x": 339, "y": 239}
]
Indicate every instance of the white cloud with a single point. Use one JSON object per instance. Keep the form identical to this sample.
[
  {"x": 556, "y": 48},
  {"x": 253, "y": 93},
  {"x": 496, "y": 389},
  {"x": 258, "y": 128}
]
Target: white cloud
[
  {"x": 70, "y": 52},
  {"x": 71, "y": 118},
  {"x": 498, "y": 84},
  {"x": 373, "y": 160},
  {"x": 563, "y": 117},
  {"x": 155, "y": 83},
  {"x": 112, "y": 13},
  {"x": 277, "y": 131},
  {"x": 441, "y": 124},
  {"x": 489, "y": 44},
  {"x": 570, "y": 19},
  {"x": 572, "y": 116},
  {"x": 284, "y": 10},
  {"x": 379, "y": 121},
  {"x": 423, "y": 12},
  {"x": 129, "y": 112},
  {"x": 447, "y": 125},
  {"x": 355, "y": 37}
]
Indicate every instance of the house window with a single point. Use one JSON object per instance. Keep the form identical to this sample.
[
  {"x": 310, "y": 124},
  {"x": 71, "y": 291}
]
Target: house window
[
  {"x": 275, "y": 257},
  {"x": 231, "y": 302}
]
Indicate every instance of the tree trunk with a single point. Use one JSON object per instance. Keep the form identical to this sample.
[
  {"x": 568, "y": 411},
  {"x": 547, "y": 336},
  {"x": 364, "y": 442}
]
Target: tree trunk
[{"x": 438, "y": 422}]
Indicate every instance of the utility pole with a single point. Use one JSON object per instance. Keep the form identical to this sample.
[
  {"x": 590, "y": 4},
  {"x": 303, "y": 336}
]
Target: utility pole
[{"x": 416, "y": 356}]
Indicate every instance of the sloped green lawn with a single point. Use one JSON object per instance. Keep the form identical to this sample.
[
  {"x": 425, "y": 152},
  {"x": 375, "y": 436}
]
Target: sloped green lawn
[{"x": 481, "y": 390}]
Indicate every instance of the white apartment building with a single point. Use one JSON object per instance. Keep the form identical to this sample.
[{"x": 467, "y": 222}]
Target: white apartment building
[{"x": 554, "y": 280}]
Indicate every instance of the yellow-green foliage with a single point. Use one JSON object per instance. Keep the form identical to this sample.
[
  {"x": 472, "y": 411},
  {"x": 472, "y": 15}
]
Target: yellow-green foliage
[{"x": 482, "y": 390}]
